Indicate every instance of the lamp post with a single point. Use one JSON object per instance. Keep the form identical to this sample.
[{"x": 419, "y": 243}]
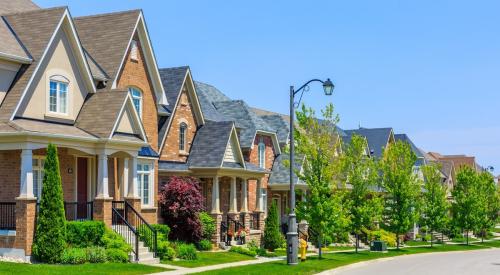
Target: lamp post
[{"x": 292, "y": 235}]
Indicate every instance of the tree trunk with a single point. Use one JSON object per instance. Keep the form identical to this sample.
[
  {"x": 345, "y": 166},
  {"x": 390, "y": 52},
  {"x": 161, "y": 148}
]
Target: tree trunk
[
  {"x": 397, "y": 241},
  {"x": 431, "y": 239},
  {"x": 320, "y": 245},
  {"x": 467, "y": 237},
  {"x": 357, "y": 242}
]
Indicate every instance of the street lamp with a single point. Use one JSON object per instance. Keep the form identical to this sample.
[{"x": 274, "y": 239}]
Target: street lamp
[{"x": 292, "y": 235}]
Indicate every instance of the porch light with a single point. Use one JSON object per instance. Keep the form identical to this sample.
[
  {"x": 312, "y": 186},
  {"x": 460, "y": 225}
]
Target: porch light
[{"x": 328, "y": 87}]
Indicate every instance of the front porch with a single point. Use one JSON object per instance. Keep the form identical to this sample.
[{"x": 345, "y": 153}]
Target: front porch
[{"x": 91, "y": 179}]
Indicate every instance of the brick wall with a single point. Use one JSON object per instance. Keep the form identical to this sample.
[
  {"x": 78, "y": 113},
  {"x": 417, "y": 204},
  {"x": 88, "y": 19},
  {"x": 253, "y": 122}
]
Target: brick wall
[
  {"x": 183, "y": 113},
  {"x": 134, "y": 73},
  {"x": 10, "y": 171}
]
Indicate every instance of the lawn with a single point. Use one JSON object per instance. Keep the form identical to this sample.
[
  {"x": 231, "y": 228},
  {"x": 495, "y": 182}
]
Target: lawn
[
  {"x": 107, "y": 268},
  {"x": 314, "y": 265},
  {"x": 337, "y": 248},
  {"x": 464, "y": 240},
  {"x": 415, "y": 243},
  {"x": 497, "y": 230},
  {"x": 211, "y": 258}
]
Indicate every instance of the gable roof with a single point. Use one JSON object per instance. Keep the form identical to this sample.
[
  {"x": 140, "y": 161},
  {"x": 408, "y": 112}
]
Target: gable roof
[
  {"x": 419, "y": 153},
  {"x": 281, "y": 172},
  {"x": 13, "y": 6},
  {"x": 172, "y": 80},
  {"x": 210, "y": 143},
  {"x": 207, "y": 94},
  {"x": 10, "y": 48},
  {"x": 280, "y": 125},
  {"x": 35, "y": 30},
  {"x": 377, "y": 138}
]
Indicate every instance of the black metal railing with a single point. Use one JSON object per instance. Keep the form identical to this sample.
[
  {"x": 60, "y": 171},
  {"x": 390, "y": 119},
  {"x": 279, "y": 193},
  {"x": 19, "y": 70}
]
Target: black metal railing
[
  {"x": 146, "y": 232},
  {"x": 255, "y": 221},
  {"x": 223, "y": 233},
  {"x": 235, "y": 226},
  {"x": 79, "y": 211},
  {"x": 128, "y": 232},
  {"x": 7, "y": 215}
]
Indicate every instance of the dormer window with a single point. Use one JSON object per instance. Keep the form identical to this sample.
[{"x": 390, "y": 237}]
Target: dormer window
[
  {"x": 262, "y": 153},
  {"x": 182, "y": 137},
  {"x": 58, "y": 95},
  {"x": 134, "y": 50},
  {"x": 136, "y": 99}
]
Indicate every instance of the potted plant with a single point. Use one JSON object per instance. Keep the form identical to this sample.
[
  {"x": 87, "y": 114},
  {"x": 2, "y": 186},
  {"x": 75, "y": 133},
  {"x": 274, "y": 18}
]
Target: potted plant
[
  {"x": 230, "y": 234},
  {"x": 241, "y": 236}
]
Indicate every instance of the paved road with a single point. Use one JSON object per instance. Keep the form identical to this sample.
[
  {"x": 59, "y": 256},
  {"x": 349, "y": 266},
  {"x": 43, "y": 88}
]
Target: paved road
[{"x": 479, "y": 262}]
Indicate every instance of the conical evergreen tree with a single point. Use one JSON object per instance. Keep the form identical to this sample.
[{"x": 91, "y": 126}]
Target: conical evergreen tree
[
  {"x": 49, "y": 242},
  {"x": 272, "y": 235}
]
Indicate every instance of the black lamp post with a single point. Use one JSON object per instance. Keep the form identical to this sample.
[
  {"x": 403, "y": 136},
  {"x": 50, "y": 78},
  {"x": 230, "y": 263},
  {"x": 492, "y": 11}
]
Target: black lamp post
[{"x": 292, "y": 235}]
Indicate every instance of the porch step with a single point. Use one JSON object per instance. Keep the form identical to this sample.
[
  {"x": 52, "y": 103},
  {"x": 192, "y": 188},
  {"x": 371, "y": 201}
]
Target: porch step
[{"x": 145, "y": 256}]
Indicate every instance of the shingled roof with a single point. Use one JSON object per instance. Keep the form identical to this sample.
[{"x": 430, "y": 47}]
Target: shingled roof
[
  {"x": 14, "y": 6},
  {"x": 10, "y": 48},
  {"x": 209, "y": 144},
  {"x": 34, "y": 29},
  {"x": 279, "y": 124},
  {"x": 281, "y": 172},
  {"x": 207, "y": 94},
  {"x": 377, "y": 138},
  {"x": 106, "y": 37},
  {"x": 421, "y": 160}
]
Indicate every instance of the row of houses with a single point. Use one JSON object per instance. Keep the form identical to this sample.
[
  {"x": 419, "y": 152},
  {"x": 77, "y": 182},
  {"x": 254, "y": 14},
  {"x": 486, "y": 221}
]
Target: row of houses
[{"x": 91, "y": 85}]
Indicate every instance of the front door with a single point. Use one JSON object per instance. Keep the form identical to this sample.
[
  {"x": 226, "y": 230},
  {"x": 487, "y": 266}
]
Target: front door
[{"x": 82, "y": 182}]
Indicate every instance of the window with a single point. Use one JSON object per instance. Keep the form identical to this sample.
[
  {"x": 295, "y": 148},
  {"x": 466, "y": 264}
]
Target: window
[
  {"x": 262, "y": 153},
  {"x": 58, "y": 96},
  {"x": 38, "y": 173},
  {"x": 134, "y": 50},
  {"x": 144, "y": 182},
  {"x": 182, "y": 137},
  {"x": 264, "y": 199},
  {"x": 137, "y": 99}
]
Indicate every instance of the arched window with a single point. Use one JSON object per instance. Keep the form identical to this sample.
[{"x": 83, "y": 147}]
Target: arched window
[
  {"x": 58, "y": 94},
  {"x": 137, "y": 99},
  {"x": 262, "y": 153},
  {"x": 182, "y": 136}
]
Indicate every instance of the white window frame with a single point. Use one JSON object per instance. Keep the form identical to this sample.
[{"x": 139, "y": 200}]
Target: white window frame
[
  {"x": 37, "y": 190},
  {"x": 263, "y": 194},
  {"x": 261, "y": 151},
  {"x": 59, "y": 81},
  {"x": 141, "y": 174},
  {"x": 182, "y": 136},
  {"x": 134, "y": 50},
  {"x": 139, "y": 97}
]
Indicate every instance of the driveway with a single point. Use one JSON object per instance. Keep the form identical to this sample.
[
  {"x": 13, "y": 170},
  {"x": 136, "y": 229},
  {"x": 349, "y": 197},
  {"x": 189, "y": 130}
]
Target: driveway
[{"x": 479, "y": 262}]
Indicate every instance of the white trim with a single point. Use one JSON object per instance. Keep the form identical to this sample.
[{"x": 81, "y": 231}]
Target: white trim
[
  {"x": 138, "y": 120},
  {"x": 44, "y": 55},
  {"x": 240, "y": 154},
  {"x": 151, "y": 175},
  {"x": 157, "y": 84},
  {"x": 274, "y": 138},
  {"x": 15, "y": 58}
]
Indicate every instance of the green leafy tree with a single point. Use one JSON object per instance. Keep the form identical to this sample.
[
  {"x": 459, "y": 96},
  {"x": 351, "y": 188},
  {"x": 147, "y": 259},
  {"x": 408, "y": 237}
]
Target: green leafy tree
[
  {"x": 49, "y": 242},
  {"x": 402, "y": 187},
  {"x": 435, "y": 203},
  {"x": 318, "y": 142},
  {"x": 489, "y": 204},
  {"x": 466, "y": 207},
  {"x": 360, "y": 171},
  {"x": 272, "y": 234}
]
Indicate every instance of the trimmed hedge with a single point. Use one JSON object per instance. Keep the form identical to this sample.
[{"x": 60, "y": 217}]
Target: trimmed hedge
[
  {"x": 244, "y": 251},
  {"x": 204, "y": 245},
  {"x": 84, "y": 233},
  {"x": 186, "y": 251},
  {"x": 208, "y": 225}
]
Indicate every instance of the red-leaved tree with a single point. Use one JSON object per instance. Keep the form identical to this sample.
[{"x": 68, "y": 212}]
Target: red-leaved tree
[{"x": 181, "y": 201}]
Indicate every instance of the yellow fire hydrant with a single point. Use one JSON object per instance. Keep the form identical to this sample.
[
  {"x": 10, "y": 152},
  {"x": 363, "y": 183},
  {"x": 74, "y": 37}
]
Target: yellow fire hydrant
[{"x": 303, "y": 249}]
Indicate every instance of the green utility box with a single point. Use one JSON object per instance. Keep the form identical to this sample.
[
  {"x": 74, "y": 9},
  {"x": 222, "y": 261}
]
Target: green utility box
[{"x": 378, "y": 246}]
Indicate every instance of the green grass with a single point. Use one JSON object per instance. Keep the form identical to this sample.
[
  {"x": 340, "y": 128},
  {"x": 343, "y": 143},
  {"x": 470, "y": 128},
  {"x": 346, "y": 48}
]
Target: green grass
[
  {"x": 463, "y": 240},
  {"x": 210, "y": 258},
  {"x": 314, "y": 265},
  {"x": 415, "y": 243},
  {"x": 496, "y": 230},
  {"x": 104, "y": 269},
  {"x": 337, "y": 248}
]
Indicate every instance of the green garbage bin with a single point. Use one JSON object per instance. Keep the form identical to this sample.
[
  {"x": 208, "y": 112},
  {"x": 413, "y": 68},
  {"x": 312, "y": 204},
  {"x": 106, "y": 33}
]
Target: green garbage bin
[{"x": 378, "y": 246}]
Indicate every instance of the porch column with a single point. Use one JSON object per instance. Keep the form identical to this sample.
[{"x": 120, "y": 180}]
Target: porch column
[
  {"x": 124, "y": 177},
  {"x": 233, "y": 203},
  {"x": 215, "y": 196},
  {"x": 260, "y": 203},
  {"x": 102, "y": 202},
  {"x": 244, "y": 196},
  {"x": 132, "y": 196},
  {"x": 26, "y": 186}
]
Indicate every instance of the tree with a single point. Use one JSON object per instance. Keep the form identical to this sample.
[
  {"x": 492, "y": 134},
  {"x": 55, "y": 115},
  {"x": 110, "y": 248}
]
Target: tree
[
  {"x": 318, "y": 142},
  {"x": 49, "y": 242},
  {"x": 182, "y": 202},
  {"x": 467, "y": 204},
  {"x": 435, "y": 203},
  {"x": 272, "y": 235},
  {"x": 402, "y": 187},
  {"x": 489, "y": 203},
  {"x": 361, "y": 173}
]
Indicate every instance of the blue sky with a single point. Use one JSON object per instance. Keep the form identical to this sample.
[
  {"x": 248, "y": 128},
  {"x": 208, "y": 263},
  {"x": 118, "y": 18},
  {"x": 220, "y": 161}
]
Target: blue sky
[{"x": 430, "y": 69}]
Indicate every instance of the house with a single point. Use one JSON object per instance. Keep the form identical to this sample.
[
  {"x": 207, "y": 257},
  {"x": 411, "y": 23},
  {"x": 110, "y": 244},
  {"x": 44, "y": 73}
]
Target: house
[
  {"x": 458, "y": 161},
  {"x": 91, "y": 86}
]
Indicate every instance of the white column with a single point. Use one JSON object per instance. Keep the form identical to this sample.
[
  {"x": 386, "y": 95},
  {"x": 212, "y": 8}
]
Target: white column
[
  {"x": 26, "y": 188},
  {"x": 260, "y": 202},
  {"x": 102, "y": 176},
  {"x": 133, "y": 188},
  {"x": 233, "y": 200},
  {"x": 244, "y": 196},
  {"x": 215, "y": 196},
  {"x": 125, "y": 176}
]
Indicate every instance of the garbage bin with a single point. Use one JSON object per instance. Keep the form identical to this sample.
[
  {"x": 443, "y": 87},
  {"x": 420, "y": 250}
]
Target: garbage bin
[{"x": 378, "y": 246}]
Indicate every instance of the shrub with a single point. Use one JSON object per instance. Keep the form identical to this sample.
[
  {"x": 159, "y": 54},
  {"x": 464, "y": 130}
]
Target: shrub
[
  {"x": 115, "y": 255},
  {"x": 170, "y": 253},
  {"x": 162, "y": 229},
  {"x": 84, "y": 233},
  {"x": 272, "y": 235},
  {"x": 186, "y": 251},
  {"x": 427, "y": 237},
  {"x": 181, "y": 202},
  {"x": 241, "y": 250},
  {"x": 96, "y": 254},
  {"x": 382, "y": 235},
  {"x": 49, "y": 243},
  {"x": 162, "y": 248},
  {"x": 208, "y": 225},
  {"x": 204, "y": 245},
  {"x": 74, "y": 256},
  {"x": 111, "y": 239}
]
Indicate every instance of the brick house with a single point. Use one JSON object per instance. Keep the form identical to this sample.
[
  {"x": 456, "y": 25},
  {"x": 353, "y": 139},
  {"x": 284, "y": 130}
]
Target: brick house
[{"x": 89, "y": 85}]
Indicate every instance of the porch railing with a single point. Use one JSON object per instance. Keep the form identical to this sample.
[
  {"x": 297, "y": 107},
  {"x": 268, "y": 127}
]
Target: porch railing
[
  {"x": 223, "y": 233},
  {"x": 128, "y": 232},
  {"x": 146, "y": 232},
  {"x": 7, "y": 215},
  {"x": 79, "y": 211}
]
